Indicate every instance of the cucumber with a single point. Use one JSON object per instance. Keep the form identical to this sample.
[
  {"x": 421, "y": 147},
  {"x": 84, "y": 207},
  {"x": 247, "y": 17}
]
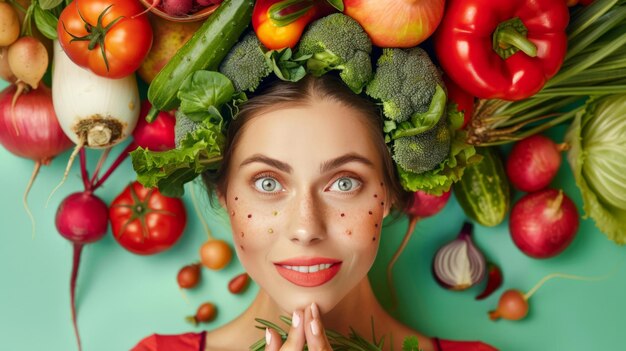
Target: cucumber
[
  {"x": 205, "y": 50},
  {"x": 483, "y": 191}
]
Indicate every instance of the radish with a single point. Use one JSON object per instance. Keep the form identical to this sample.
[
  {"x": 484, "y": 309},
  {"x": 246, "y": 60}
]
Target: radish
[
  {"x": 544, "y": 223},
  {"x": 513, "y": 304},
  {"x": 533, "y": 163},
  {"x": 206, "y": 312},
  {"x": 9, "y": 24},
  {"x": 30, "y": 129},
  {"x": 422, "y": 205},
  {"x": 189, "y": 276},
  {"x": 177, "y": 7},
  {"x": 81, "y": 218}
]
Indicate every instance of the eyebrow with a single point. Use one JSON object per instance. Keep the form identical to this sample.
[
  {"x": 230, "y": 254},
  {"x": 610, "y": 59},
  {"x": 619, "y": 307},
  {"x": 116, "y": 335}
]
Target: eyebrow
[{"x": 324, "y": 167}]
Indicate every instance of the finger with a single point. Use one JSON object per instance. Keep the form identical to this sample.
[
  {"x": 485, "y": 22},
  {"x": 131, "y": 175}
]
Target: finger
[
  {"x": 273, "y": 341},
  {"x": 315, "y": 335},
  {"x": 295, "y": 340}
]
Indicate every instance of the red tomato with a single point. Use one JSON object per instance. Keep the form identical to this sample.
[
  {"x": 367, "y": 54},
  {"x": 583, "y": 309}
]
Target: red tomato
[
  {"x": 112, "y": 46},
  {"x": 146, "y": 222}
]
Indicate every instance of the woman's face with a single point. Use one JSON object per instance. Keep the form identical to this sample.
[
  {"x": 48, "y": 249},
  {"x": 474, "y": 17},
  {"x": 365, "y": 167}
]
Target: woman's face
[{"x": 306, "y": 201}]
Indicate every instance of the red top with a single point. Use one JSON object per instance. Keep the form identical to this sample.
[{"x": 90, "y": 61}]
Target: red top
[{"x": 196, "y": 342}]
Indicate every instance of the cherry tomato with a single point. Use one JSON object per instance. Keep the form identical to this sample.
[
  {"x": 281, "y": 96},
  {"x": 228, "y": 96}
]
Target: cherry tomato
[
  {"x": 111, "y": 39},
  {"x": 146, "y": 222}
]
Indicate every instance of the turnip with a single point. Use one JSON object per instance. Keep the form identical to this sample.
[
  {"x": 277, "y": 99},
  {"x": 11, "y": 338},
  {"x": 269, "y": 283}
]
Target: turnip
[
  {"x": 93, "y": 111},
  {"x": 422, "y": 205},
  {"x": 9, "y": 24},
  {"x": 30, "y": 129},
  {"x": 533, "y": 162},
  {"x": 543, "y": 223}
]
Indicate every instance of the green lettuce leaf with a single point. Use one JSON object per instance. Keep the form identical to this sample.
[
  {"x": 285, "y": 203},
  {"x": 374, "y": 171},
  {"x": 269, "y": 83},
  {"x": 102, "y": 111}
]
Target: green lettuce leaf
[
  {"x": 440, "y": 179},
  {"x": 199, "y": 151},
  {"x": 203, "y": 93},
  {"x": 597, "y": 156}
]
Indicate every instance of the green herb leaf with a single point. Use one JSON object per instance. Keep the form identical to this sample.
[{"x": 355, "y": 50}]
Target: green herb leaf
[
  {"x": 203, "y": 93},
  {"x": 199, "y": 151},
  {"x": 49, "y": 4},
  {"x": 285, "y": 66},
  {"x": 338, "y": 4},
  {"x": 46, "y": 22},
  {"x": 410, "y": 343}
]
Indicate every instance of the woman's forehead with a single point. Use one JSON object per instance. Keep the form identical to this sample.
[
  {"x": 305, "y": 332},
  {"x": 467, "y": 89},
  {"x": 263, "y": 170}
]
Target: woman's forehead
[{"x": 315, "y": 132}]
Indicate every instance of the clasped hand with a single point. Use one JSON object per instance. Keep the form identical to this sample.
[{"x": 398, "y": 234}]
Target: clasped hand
[{"x": 306, "y": 327}]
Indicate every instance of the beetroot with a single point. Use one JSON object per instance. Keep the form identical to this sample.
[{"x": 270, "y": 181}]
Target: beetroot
[{"x": 543, "y": 223}]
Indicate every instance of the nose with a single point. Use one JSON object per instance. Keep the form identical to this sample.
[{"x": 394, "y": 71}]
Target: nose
[{"x": 307, "y": 223}]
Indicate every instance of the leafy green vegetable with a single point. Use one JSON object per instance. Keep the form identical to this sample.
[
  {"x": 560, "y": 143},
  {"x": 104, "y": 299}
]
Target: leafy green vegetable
[
  {"x": 439, "y": 179},
  {"x": 199, "y": 151},
  {"x": 597, "y": 156},
  {"x": 285, "y": 65},
  {"x": 49, "y": 4},
  {"x": 203, "y": 93},
  {"x": 46, "y": 22}
]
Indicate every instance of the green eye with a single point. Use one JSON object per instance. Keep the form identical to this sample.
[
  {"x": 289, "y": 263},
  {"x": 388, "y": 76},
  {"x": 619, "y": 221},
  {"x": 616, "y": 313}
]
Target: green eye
[
  {"x": 345, "y": 184},
  {"x": 268, "y": 185}
]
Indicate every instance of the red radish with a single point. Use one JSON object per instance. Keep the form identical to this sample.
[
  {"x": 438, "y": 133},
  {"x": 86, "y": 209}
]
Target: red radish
[
  {"x": 422, "y": 205},
  {"x": 37, "y": 134},
  {"x": 205, "y": 313},
  {"x": 533, "y": 163},
  {"x": 513, "y": 304},
  {"x": 81, "y": 218},
  {"x": 238, "y": 284},
  {"x": 157, "y": 135},
  {"x": 177, "y": 7},
  {"x": 544, "y": 223},
  {"x": 189, "y": 276}
]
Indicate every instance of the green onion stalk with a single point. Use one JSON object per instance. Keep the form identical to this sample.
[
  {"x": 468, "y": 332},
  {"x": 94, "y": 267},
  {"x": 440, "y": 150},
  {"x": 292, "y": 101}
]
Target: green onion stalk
[{"x": 595, "y": 65}]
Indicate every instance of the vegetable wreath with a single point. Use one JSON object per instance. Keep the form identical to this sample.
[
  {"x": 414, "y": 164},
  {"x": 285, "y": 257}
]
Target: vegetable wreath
[{"x": 212, "y": 74}]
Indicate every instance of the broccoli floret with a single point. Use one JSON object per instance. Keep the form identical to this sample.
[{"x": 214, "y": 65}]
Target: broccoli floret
[
  {"x": 405, "y": 82},
  {"x": 245, "y": 64},
  {"x": 183, "y": 126},
  {"x": 423, "y": 152},
  {"x": 337, "y": 42}
]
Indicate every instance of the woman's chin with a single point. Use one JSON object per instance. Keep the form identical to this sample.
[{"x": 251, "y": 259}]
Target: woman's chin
[{"x": 325, "y": 302}]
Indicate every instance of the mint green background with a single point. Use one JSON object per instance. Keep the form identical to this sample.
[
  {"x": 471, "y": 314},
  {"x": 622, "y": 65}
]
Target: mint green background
[{"x": 122, "y": 297}]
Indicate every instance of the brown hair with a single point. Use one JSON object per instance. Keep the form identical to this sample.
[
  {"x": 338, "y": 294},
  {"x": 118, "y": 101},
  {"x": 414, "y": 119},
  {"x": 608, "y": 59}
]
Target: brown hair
[{"x": 289, "y": 94}]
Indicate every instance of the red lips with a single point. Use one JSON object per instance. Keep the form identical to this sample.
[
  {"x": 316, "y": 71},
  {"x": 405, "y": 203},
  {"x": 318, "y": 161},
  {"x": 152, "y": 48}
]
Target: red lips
[{"x": 308, "y": 279}]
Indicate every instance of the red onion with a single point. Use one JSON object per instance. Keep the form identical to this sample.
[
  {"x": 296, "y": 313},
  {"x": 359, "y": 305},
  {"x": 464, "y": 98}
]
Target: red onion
[
  {"x": 39, "y": 136},
  {"x": 30, "y": 129},
  {"x": 459, "y": 264}
]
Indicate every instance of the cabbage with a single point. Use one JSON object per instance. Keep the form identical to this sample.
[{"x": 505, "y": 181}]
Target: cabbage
[{"x": 598, "y": 160}]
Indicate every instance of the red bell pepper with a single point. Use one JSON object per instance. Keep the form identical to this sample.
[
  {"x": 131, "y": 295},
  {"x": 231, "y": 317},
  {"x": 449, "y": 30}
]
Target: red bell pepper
[
  {"x": 502, "y": 49},
  {"x": 279, "y": 23},
  {"x": 464, "y": 101}
]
